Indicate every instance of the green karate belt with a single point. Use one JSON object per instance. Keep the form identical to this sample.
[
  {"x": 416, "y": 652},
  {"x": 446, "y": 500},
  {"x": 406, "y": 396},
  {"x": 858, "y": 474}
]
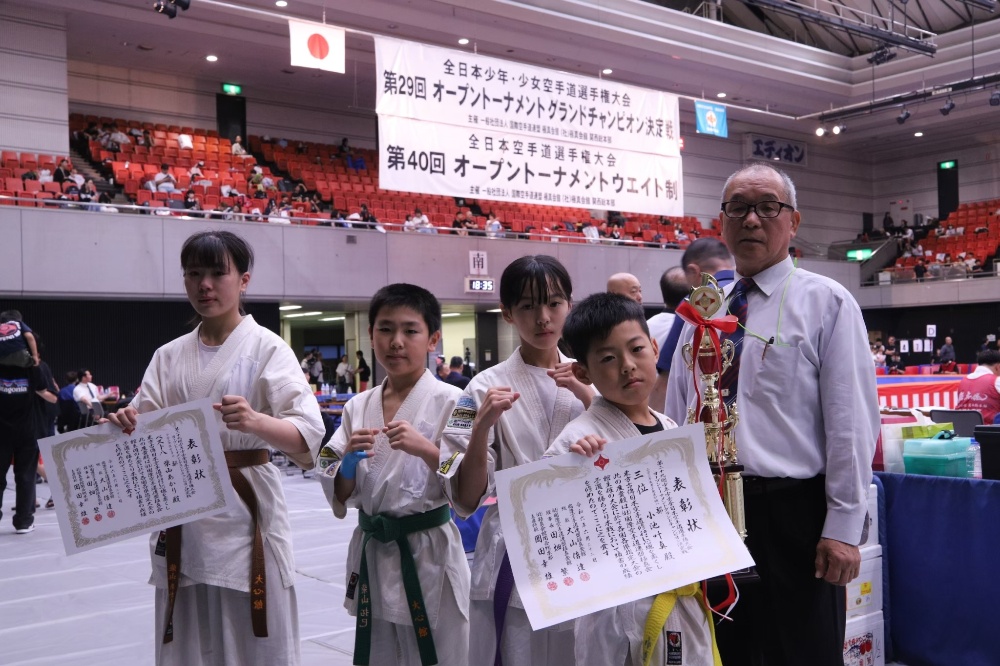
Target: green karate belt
[{"x": 385, "y": 529}]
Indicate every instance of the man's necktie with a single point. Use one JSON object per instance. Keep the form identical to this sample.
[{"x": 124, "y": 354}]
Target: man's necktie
[{"x": 738, "y": 307}]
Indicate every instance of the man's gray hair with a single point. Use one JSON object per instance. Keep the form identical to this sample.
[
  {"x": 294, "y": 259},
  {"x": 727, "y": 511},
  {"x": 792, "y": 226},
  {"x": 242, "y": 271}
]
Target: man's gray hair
[{"x": 760, "y": 166}]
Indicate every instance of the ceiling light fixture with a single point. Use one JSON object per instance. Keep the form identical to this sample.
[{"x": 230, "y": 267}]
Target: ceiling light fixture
[
  {"x": 901, "y": 118},
  {"x": 332, "y": 319},
  {"x": 607, "y": 70},
  {"x": 495, "y": 311},
  {"x": 463, "y": 41},
  {"x": 839, "y": 129},
  {"x": 451, "y": 314},
  {"x": 280, "y": 3},
  {"x": 211, "y": 58},
  {"x": 302, "y": 314},
  {"x": 918, "y": 134},
  {"x": 289, "y": 307},
  {"x": 720, "y": 95},
  {"x": 820, "y": 131},
  {"x": 948, "y": 106}
]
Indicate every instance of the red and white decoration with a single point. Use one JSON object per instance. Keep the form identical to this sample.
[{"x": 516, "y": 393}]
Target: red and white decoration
[{"x": 316, "y": 45}]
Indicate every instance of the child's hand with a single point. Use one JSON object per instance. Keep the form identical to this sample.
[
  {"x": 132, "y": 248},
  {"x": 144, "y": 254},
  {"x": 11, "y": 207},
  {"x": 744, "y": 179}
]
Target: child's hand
[
  {"x": 237, "y": 413},
  {"x": 497, "y": 401},
  {"x": 358, "y": 448},
  {"x": 404, "y": 437},
  {"x": 588, "y": 446},
  {"x": 564, "y": 378},
  {"x": 126, "y": 418}
]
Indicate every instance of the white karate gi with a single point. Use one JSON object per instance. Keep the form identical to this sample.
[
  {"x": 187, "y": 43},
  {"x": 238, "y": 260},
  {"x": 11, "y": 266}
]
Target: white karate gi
[
  {"x": 613, "y": 637},
  {"x": 522, "y": 435},
  {"x": 399, "y": 484},
  {"x": 212, "y": 609}
]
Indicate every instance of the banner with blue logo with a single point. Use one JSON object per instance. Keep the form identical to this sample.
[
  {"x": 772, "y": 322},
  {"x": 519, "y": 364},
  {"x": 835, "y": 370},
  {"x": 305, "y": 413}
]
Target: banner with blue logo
[{"x": 711, "y": 119}]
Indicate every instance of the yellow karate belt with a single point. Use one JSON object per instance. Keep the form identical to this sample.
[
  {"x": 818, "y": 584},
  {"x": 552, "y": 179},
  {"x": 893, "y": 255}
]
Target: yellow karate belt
[{"x": 663, "y": 605}]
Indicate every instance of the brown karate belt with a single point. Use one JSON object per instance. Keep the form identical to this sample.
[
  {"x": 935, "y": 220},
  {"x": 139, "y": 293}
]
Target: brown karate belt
[{"x": 258, "y": 578}]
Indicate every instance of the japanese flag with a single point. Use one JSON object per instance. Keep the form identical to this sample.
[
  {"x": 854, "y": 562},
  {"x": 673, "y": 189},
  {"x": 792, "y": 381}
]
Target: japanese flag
[{"x": 317, "y": 45}]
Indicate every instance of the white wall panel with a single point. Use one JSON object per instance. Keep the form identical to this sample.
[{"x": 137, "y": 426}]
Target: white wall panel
[{"x": 34, "y": 114}]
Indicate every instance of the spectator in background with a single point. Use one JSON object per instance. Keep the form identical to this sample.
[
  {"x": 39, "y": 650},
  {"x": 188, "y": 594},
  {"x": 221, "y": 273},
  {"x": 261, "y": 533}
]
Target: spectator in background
[
  {"x": 458, "y": 225},
  {"x": 894, "y": 365},
  {"x": 87, "y": 394},
  {"x": 343, "y": 374},
  {"x": 443, "y": 369},
  {"x": 947, "y": 351},
  {"x": 88, "y": 193},
  {"x": 674, "y": 288},
  {"x": 238, "y": 150},
  {"x": 455, "y": 376},
  {"x": 198, "y": 176},
  {"x": 363, "y": 372},
  {"x": 62, "y": 171},
  {"x": 887, "y": 223},
  {"x": 494, "y": 227},
  {"x": 980, "y": 389},
  {"x": 409, "y": 224},
  {"x": 18, "y": 347},
  {"x": 191, "y": 202},
  {"x": 626, "y": 285},
  {"x": 471, "y": 225},
  {"x": 164, "y": 181}
]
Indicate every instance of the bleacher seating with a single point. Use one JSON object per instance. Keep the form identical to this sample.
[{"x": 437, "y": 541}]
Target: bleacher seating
[
  {"x": 320, "y": 169},
  {"x": 966, "y": 220}
]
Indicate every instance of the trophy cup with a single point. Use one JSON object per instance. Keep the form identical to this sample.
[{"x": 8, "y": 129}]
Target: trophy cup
[{"x": 708, "y": 359}]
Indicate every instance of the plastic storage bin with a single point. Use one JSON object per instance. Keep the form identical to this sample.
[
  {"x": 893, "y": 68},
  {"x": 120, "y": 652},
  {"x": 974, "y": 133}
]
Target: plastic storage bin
[{"x": 937, "y": 457}]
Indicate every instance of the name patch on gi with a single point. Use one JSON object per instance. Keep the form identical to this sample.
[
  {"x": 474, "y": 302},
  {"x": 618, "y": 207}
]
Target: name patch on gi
[
  {"x": 351, "y": 584},
  {"x": 675, "y": 654},
  {"x": 161, "y": 545}
]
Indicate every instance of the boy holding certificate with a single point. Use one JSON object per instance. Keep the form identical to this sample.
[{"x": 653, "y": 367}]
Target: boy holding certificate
[
  {"x": 610, "y": 340},
  {"x": 407, "y": 574}
]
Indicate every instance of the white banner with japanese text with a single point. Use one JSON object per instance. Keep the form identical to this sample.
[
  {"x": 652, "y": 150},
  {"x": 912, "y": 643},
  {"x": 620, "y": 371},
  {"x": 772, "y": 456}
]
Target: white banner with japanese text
[
  {"x": 463, "y": 98},
  {"x": 417, "y": 156},
  {"x": 110, "y": 485},
  {"x": 642, "y": 517}
]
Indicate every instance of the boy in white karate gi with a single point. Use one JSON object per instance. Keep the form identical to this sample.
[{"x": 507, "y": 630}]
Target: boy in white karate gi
[
  {"x": 508, "y": 416},
  {"x": 608, "y": 335},
  {"x": 407, "y": 575}
]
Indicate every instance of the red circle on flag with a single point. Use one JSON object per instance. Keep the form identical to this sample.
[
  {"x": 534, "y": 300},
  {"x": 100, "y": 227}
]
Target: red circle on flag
[
  {"x": 552, "y": 585},
  {"x": 111, "y": 513},
  {"x": 318, "y": 48}
]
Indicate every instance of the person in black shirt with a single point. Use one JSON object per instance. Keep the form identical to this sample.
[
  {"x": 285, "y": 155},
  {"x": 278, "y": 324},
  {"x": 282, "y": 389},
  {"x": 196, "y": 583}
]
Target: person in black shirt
[{"x": 18, "y": 441}]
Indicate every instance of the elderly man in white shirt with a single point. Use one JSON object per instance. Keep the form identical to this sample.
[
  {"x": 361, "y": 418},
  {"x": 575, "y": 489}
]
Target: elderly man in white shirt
[{"x": 808, "y": 422}]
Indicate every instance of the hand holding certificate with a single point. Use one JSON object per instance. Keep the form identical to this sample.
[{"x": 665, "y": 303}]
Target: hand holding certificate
[
  {"x": 110, "y": 485},
  {"x": 640, "y": 518}
]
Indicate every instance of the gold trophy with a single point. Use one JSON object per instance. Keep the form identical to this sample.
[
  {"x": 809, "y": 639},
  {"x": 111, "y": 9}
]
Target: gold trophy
[{"x": 713, "y": 358}]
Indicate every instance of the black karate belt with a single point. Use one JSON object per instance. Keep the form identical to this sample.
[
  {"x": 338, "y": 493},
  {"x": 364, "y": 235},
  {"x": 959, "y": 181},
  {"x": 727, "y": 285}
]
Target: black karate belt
[
  {"x": 385, "y": 529},
  {"x": 258, "y": 576}
]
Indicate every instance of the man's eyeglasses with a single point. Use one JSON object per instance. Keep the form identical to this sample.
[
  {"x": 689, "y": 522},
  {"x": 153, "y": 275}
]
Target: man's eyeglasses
[{"x": 763, "y": 209}]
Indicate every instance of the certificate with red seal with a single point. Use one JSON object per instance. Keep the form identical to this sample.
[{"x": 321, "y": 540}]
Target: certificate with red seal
[
  {"x": 642, "y": 517},
  {"x": 109, "y": 485}
]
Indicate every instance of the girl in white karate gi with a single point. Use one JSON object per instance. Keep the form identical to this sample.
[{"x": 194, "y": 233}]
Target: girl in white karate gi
[
  {"x": 508, "y": 416},
  {"x": 263, "y": 401}
]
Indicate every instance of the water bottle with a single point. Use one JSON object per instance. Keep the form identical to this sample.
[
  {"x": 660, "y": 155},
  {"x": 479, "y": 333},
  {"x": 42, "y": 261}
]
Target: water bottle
[{"x": 974, "y": 461}]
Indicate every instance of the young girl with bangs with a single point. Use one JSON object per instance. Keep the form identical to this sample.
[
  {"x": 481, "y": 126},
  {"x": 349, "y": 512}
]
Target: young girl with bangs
[
  {"x": 232, "y": 601},
  {"x": 508, "y": 416}
]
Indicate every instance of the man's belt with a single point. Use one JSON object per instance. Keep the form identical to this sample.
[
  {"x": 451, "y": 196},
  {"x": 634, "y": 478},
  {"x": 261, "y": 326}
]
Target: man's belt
[
  {"x": 258, "y": 577},
  {"x": 385, "y": 529},
  {"x": 663, "y": 606}
]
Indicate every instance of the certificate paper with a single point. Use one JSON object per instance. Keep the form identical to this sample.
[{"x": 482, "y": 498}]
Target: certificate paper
[
  {"x": 109, "y": 486},
  {"x": 641, "y": 518}
]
